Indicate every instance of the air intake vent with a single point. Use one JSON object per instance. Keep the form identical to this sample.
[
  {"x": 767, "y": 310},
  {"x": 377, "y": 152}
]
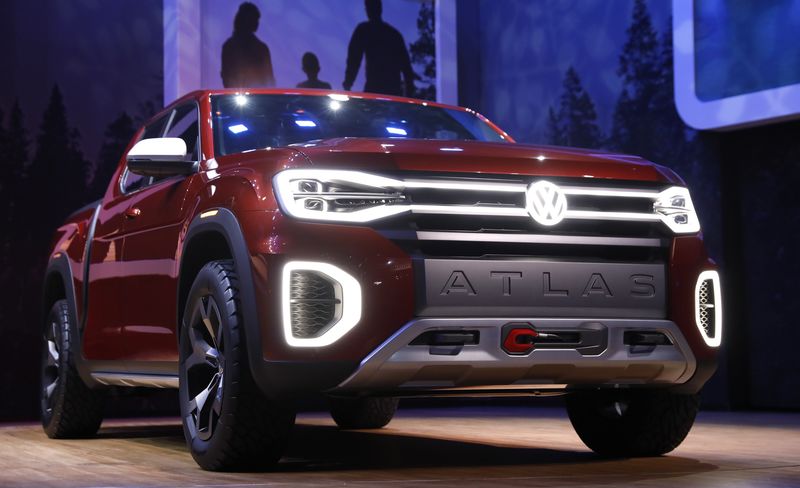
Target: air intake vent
[
  {"x": 314, "y": 305},
  {"x": 708, "y": 307},
  {"x": 320, "y": 303}
]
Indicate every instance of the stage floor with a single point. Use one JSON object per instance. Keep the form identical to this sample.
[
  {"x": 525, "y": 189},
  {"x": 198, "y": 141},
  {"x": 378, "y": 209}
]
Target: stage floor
[{"x": 455, "y": 447}]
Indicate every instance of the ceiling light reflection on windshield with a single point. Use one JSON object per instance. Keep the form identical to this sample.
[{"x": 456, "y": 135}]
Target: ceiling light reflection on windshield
[
  {"x": 338, "y": 97},
  {"x": 240, "y": 100},
  {"x": 397, "y": 131},
  {"x": 305, "y": 123},
  {"x": 451, "y": 149},
  {"x": 335, "y": 105},
  {"x": 238, "y": 128}
]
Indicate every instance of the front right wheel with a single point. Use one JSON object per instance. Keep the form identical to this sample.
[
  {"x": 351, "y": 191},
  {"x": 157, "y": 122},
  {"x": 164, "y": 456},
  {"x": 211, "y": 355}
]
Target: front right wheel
[
  {"x": 632, "y": 423},
  {"x": 227, "y": 421}
]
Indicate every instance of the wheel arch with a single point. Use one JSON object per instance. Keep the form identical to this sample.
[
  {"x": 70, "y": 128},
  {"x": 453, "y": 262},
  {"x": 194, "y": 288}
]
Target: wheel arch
[
  {"x": 58, "y": 284},
  {"x": 216, "y": 234},
  {"x": 204, "y": 246}
]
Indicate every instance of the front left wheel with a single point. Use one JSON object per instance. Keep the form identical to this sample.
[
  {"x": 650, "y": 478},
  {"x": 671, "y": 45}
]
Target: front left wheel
[
  {"x": 227, "y": 421},
  {"x": 69, "y": 408}
]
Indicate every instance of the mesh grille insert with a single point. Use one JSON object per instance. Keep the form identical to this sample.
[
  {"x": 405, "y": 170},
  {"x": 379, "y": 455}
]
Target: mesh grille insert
[
  {"x": 706, "y": 303},
  {"x": 315, "y": 303}
]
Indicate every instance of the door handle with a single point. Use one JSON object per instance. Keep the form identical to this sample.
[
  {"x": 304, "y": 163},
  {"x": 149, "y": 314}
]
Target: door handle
[{"x": 132, "y": 213}]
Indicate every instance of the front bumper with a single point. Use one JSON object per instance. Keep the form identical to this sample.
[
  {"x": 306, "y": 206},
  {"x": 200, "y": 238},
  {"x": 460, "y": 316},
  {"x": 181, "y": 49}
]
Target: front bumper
[
  {"x": 398, "y": 366},
  {"x": 375, "y": 354}
]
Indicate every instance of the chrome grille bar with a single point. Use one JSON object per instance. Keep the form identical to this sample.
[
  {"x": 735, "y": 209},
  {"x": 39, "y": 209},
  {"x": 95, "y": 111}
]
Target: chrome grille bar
[
  {"x": 520, "y": 210},
  {"x": 538, "y": 239}
]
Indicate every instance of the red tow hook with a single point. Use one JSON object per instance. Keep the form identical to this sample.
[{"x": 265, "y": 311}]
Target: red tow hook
[{"x": 519, "y": 338}]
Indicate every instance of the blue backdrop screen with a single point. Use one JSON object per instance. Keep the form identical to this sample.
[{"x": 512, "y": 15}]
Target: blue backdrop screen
[{"x": 744, "y": 47}]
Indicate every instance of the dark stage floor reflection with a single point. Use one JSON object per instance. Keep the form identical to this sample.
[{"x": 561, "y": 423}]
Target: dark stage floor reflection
[{"x": 438, "y": 447}]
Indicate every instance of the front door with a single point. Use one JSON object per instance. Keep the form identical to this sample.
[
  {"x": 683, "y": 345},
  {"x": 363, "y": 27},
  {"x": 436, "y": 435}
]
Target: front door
[{"x": 152, "y": 232}]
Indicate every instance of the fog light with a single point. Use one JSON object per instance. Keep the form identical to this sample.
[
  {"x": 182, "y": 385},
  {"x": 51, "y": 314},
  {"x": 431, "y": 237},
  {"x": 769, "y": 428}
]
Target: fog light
[
  {"x": 320, "y": 302},
  {"x": 708, "y": 307}
]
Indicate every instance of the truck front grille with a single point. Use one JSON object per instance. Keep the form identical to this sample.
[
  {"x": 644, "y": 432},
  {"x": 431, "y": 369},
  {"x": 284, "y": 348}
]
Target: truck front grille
[{"x": 485, "y": 216}]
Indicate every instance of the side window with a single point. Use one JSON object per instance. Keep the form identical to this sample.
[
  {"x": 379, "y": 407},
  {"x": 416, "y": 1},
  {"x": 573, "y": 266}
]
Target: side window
[
  {"x": 155, "y": 129},
  {"x": 131, "y": 181},
  {"x": 185, "y": 126}
]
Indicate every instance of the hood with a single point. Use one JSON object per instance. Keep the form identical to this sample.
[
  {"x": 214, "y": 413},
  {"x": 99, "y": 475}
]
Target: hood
[{"x": 389, "y": 155}]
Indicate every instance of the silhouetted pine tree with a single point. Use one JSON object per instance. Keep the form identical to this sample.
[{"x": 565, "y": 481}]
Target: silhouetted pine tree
[
  {"x": 423, "y": 52},
  {"x": 555, "y": 130},
  {"x": 676, "y": 140},
  {"x": 18, "y": 143},
  {"x": 634, "y": 127},
  {"x": 117, "y": 136},
  {"x": 58, "y": 170},
  {"x": 14, "y": 164},
  {"x": 575, "y": 123}
]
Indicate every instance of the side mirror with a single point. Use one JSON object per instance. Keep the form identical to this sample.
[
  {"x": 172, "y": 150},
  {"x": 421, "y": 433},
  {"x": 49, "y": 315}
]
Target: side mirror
[{"x": 162, "y": 156}]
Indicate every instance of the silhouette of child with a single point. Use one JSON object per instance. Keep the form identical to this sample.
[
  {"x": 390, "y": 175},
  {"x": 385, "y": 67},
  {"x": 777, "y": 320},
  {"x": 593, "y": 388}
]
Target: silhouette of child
[{"x": 311, "y": 69}]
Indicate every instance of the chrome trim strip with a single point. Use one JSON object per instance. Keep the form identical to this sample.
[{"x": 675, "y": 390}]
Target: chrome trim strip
[
  {"x": 460, "y": 185},
  {"x": 133, "y": 379},
  {"x": 538, "y": 239},
  {"x": 594, "y": 215},
  {"x": 609, "y": 192},
  {"x": 522, "y": 212},
  {"x": 522, "y": 188},
  {"x": 469, "y": 210}
]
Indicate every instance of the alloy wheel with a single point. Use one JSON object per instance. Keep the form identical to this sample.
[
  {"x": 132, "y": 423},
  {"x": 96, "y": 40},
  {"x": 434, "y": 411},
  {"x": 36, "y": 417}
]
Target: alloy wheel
[
  {"x": 50, "y": 365},
  {"x": 205, "y": 368}
]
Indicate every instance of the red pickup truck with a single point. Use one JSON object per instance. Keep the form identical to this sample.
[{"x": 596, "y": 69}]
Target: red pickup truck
[{"x": 253, "y": 248}]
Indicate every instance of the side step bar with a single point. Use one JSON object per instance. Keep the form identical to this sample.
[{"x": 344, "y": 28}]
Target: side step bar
[{"x": 132, "y": 379}]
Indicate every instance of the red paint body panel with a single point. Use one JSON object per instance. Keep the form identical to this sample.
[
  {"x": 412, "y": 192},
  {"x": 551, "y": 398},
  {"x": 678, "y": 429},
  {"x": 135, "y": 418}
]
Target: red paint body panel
[
  {"x": 134, "y": 267},
  {"x": 150, "y": 260},
  {"x": 102, "y": 336},
  {"x": 482, "y": 158}
]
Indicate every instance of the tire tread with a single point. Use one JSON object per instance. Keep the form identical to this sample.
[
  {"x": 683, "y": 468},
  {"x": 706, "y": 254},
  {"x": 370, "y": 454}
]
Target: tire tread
[
  {"x": 256, "y": 430},
  {"x": 655, "y": 423},
  {"x": 78, "y": 410}
]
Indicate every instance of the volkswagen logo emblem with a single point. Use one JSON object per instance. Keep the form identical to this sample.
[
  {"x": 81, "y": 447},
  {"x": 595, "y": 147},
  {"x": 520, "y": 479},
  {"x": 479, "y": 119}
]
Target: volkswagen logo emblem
[{"x": 546, "y": 203}]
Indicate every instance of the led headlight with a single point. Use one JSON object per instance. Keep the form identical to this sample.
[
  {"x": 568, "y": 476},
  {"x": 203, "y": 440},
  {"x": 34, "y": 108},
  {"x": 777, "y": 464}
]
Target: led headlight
[
  {"x": 674, "y": 207},
  {"x": 341, "y": 196}
]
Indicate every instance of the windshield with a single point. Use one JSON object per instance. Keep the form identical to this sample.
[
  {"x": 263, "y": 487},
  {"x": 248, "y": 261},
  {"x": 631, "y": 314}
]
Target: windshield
[{"x": 245, "y": 122}]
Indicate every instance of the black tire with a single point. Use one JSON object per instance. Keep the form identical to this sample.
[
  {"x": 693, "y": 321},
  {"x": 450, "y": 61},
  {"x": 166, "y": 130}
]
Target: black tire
[
  {"x": 69, "y": 408},
  {"x": 235, "y": 426},
  {"x": 362, "y": 413},
  {"x": 632, "y": 423}
]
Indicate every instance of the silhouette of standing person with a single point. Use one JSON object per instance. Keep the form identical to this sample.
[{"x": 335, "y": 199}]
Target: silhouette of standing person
[
  {"x": 311, "y": 69},
  {"x": 246, "y": 61},
  {"x": 386, "y": 53}
]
